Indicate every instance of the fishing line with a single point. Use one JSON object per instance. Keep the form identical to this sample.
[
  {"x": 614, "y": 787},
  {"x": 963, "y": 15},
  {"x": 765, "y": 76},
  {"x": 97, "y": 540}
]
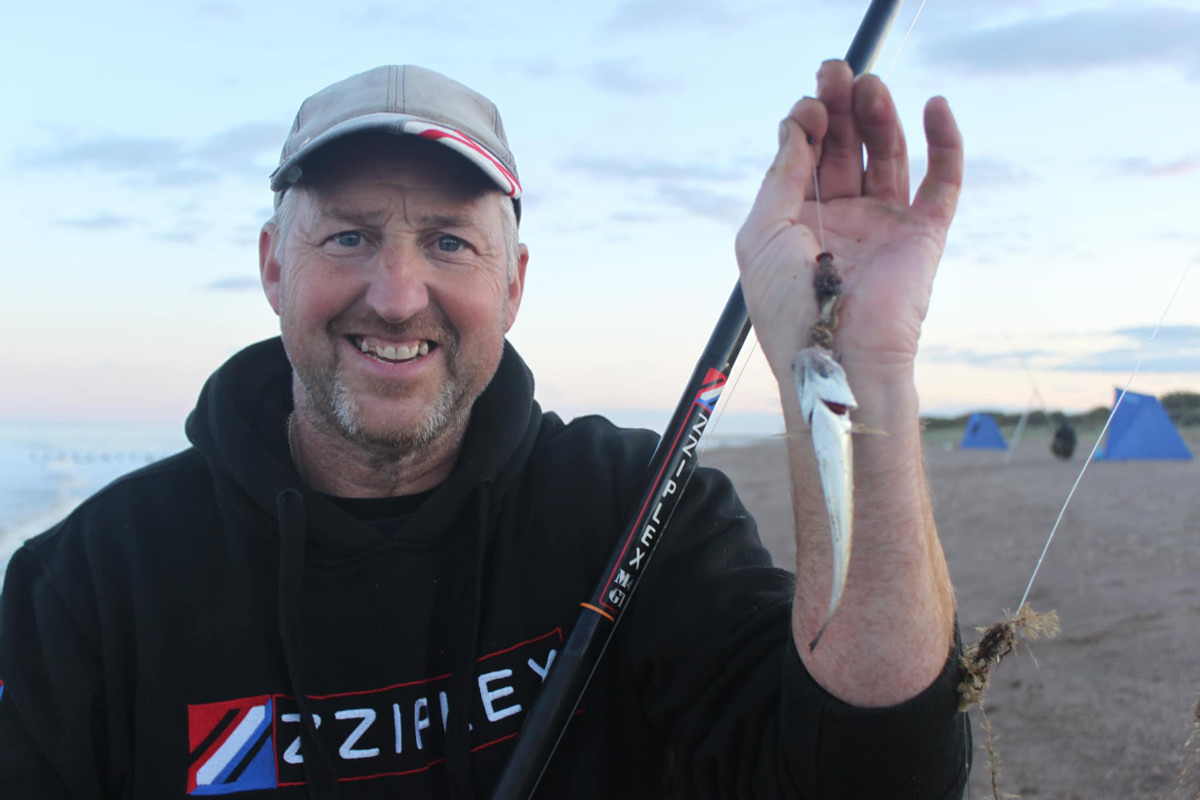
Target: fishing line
[
  {"x": 1037, "y": 394},
  {"x": 1100, "y": 438},
  {"x": 1028, "y": 411},
  {"x": 727, "y": 397},
  {"x": 820, "y": 243},
  {"x": 673, "y": 461},
  {"x": 817, "y": 202},
  {"x": 903, "y": 42}
]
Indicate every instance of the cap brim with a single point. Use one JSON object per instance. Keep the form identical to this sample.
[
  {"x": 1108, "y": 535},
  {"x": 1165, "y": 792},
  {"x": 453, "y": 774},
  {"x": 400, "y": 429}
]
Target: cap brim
[{"x": 288, "y": 173}]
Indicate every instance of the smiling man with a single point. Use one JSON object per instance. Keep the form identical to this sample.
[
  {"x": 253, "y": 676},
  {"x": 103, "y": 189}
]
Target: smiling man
[
  {"x": 355, "y": 581},
  {"x": 395, "y": 271}
]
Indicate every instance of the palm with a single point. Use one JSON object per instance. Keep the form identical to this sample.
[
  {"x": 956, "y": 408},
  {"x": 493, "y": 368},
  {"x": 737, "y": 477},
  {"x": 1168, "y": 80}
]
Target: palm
[
  {"x": 886, "y": 276},
  {"x": 885, "y": 248}
]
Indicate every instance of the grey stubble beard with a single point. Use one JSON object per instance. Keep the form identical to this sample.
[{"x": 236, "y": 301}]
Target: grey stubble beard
[{"x": 331, "y": 404}]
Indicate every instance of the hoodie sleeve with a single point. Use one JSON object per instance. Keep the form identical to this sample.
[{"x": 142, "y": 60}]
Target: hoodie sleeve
[
  {"x": 709, "y": 649},
  {"x": 50, "y": 700}
]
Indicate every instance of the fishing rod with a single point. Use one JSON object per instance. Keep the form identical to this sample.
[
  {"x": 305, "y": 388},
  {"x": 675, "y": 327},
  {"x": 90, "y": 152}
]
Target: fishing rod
[{"x": 670, "y": 468}]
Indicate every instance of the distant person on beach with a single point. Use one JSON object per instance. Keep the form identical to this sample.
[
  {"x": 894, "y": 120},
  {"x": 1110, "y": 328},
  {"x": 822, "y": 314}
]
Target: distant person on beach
[
  {"x": 1063, "y": 444},
  {"x": 355, "y": 581}
]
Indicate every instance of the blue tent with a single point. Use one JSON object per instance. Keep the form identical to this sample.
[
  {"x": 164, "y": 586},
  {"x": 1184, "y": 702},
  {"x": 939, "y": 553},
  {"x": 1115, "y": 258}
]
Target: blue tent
[
  {"x": 982, "y": 433},
  {"x": 1142, "y": 429}
]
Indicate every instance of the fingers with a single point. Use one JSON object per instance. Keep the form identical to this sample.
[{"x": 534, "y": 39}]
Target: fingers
[
  {"x": 840, "y": 170},
  {"x": 886, "y": 176},
  {"x": 937, "y": 196},
  {"x": 812, "y": 119},
  {"x": 833, "y": 130},
  {"x": 861, "y": 115},
  {"x": 788, "y": 183}
]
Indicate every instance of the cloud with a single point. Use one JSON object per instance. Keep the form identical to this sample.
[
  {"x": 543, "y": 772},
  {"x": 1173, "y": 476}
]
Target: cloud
[
  {"x": 241, "y": 284},
  {"x": 624, "y": 77},
  {"x": 1178, "y": 236},
  {"x": 177, "y": 236},
  {"x": 1176, "y": 348},
  {"x": 112, "y": 154},
  {"x": 101, "y": 221},
  {"x": 179, "y": 177},
  {"x": 530, "y": 67},
  {"x": 243, "y": 147},
  {"x": 1124, "y": 360},
  {"x": 246, "y": 151},
  {"x": 703, "y": 203},
  {"x": 1074, "y": 42},
  {"x": 981, "y": 172},
  {"x": 246, "y": 235},
  {"x": 978, "y": 172},
  {"x": 1167, "y": 334},
  {"x": 377, "y": 14},
  {"x": 632, "y": 218},
  {"x": 656, "y": 15},
  {"x": 1010, "y": 359},
  {"x": 643, "y": 169},
  {"x": 1145, "y": 168},
  {"x": 680, "y": 186},
  {"x": 219, "y": 10}
]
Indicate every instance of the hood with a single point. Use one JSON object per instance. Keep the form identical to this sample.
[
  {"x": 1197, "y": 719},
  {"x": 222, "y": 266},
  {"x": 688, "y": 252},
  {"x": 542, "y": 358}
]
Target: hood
[{"x": 239, "y": 427}]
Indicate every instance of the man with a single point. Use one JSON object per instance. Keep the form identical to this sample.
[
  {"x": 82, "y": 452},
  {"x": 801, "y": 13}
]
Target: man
[
  {"x": 355, "y": 581},
  {"x": 1063, "y": 443}
]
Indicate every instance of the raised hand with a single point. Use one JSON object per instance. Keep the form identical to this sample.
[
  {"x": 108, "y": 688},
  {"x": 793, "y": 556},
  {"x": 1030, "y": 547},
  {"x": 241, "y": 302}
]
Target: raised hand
[{"x": 885, "y": 247}]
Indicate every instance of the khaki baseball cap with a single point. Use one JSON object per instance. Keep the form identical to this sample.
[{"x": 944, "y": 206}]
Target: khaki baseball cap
[{"x": 403, "y": 100}]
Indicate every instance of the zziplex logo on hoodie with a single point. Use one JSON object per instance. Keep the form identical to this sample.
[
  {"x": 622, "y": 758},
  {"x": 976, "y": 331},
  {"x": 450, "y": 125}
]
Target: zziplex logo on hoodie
[{"x": 254, "y": 742}]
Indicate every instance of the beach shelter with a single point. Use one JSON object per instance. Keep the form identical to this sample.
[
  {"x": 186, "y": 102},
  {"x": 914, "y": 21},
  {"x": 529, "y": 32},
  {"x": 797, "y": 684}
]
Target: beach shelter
[
  {"x": 1142, "y": 429},
  {"x": 982, "y": 433}
]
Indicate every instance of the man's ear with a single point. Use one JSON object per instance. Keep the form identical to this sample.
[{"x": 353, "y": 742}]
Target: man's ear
[
  {"x": 268, "y": 264},
  {"x": 516, "y": 287}
]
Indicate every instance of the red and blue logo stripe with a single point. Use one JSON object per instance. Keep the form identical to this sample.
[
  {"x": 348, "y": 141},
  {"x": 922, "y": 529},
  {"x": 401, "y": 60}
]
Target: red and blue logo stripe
[
  {"x": 231, "y": 747},
  {"x": 710, "y": 390}
]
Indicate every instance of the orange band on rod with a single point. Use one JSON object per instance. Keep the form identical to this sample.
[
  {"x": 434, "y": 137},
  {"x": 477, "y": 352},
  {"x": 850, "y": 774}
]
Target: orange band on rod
[{"x": 599, "y": 611}]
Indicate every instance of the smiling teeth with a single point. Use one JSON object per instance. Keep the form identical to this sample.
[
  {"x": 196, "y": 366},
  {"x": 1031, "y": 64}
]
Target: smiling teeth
[{"x": 394, "y": 353}]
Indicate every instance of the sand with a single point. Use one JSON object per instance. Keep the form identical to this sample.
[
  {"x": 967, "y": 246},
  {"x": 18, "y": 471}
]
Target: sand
[{"x": 1103, "y": 711}]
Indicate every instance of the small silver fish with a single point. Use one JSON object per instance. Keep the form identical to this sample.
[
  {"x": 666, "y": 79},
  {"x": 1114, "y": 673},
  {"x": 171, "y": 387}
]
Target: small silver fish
[{"x": 826, "y": 402}]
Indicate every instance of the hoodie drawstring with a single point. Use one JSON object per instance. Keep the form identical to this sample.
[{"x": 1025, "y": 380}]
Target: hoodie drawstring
[
  {"x": 293, "y": 534},
  {"x": 458, "y": 741}
]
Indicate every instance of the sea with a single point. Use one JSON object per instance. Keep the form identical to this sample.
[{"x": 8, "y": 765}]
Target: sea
[{"x": 48, "y": 468}]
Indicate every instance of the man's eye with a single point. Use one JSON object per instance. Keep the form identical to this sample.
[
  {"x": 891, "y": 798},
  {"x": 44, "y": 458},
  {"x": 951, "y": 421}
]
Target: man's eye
[
  {"x": 348, "y": 238},
  {"x": 449, "y": 244}
]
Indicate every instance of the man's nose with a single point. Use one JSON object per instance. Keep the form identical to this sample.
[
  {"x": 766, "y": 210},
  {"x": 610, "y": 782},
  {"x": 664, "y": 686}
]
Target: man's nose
[{"x": 399, "y": 283}]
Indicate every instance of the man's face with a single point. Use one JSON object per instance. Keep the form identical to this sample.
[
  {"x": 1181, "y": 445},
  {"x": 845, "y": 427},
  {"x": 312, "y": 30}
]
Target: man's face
[{"x": 393, "y": 292}]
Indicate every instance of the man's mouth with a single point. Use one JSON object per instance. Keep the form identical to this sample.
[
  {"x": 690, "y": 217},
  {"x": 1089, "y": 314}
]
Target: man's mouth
[{"x": 392, "y": 352}]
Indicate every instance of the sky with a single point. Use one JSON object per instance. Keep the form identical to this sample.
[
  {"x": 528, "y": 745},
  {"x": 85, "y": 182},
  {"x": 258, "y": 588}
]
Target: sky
[{"x": 138, "y": 138}]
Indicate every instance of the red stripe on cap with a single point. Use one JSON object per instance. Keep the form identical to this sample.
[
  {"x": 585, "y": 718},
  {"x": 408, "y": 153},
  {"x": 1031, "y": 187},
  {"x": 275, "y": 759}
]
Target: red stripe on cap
[{"x": 462, "y": 138}]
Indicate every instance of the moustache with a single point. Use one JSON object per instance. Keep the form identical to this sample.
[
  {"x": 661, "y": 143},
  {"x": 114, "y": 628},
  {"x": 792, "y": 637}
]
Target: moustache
[{"x": 428, "y": 327}]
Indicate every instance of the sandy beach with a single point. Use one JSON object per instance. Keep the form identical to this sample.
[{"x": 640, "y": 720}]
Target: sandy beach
[{"x": 1103, "y": 711}]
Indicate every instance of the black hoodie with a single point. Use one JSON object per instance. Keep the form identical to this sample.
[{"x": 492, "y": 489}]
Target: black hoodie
[{"x": 209, "y": 626}]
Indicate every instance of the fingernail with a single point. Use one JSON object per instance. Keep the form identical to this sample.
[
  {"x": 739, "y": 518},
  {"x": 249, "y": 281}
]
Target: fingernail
[{"x": 783, "y": 132}]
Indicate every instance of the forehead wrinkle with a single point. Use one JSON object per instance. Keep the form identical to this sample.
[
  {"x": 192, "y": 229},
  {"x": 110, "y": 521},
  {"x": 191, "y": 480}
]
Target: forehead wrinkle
[
  {"x": 444, "y": 221},
  {"x": 367, "y": 217}
]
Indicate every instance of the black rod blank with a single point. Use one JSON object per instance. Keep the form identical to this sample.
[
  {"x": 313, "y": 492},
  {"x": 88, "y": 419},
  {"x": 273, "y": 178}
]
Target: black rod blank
[{"x": 671, "y": 466}]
